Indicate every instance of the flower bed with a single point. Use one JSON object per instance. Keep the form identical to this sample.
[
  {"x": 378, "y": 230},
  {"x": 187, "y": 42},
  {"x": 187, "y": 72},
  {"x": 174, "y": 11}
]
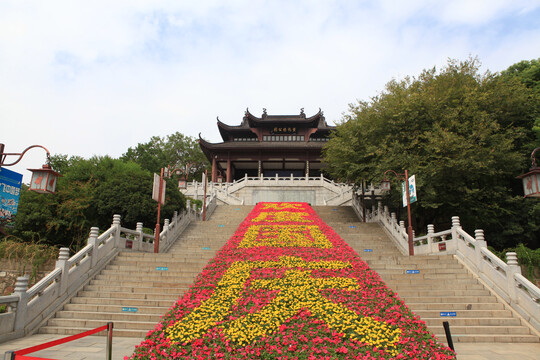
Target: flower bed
[{"x": 286, "y": 286}]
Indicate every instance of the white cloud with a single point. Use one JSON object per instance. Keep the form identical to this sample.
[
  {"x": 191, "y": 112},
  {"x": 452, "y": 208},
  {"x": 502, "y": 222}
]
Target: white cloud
[{"x": 97, "y": 77}]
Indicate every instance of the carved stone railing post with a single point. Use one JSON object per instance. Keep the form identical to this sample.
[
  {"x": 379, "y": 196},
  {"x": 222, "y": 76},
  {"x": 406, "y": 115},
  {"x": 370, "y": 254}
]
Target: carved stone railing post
[
  {"x": 455, "y": 236},
  {"x": 61, "y": 263},
  {"x": 478, "y": 245},
  {"x": 166, "y": 223},
  {"x": 116, "y": 223},
  {"x": 513, "y": 268},
  {"x": 20, "y": 290},
  {"x": 139, "y": 243},
  {"x": 92, "y": 240},
  {"x": 188, "y": 207},
  {"x": 401, "y": 225}
]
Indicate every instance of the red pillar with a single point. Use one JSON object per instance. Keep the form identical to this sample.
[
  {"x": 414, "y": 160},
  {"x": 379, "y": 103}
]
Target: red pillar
[
  {"x": 214, "y": 169},
  {"x": 229, "y": 171}
]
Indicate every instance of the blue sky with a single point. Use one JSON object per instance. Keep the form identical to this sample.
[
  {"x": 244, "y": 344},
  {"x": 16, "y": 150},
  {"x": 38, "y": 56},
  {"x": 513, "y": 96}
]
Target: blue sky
[{"x": 96, "y": 77}]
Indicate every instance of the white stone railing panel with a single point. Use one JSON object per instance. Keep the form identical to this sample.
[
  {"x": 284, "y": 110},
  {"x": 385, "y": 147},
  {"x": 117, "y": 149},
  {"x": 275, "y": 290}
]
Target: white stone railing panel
[
  {"x": 503, "y": 278},
  {"x": 29, "y": 308}
]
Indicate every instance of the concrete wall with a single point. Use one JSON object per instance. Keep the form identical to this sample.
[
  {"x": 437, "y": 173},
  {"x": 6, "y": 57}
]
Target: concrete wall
[{"x": 313, "y": 195}]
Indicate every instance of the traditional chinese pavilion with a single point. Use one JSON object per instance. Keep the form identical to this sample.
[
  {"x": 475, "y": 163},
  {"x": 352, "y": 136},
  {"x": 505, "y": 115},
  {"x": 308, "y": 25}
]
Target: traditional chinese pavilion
[{"x": 270, "y": 145}]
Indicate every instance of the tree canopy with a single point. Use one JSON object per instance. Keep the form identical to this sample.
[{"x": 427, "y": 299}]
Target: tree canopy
[
  {"x": 89, "y": 194},
  {"x": 465, "y": 135},
  {"x": 177, "y": 151}
]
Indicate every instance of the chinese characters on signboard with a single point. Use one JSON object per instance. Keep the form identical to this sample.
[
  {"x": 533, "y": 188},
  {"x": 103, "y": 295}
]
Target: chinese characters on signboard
[
  {"x": 283, "y": 130},
  {"x": 10, "y": 189}
]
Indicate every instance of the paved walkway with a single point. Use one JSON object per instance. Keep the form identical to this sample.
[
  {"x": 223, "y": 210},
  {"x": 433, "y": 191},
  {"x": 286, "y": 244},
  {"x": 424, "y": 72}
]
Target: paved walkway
[{"x": 93, "y": 348}]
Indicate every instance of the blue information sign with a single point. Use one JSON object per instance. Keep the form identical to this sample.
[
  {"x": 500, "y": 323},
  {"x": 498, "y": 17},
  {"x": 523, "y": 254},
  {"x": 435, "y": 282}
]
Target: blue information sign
[
  {"x": 368, "y": 250},
  {"x": 221, "y": 225},
  {"x": 448, "y": 313},
  {"x": 162, "y": 268},
  {"x": 413, "y": 271},
  {"x": 10, "y": 189},
  {"x": 352, "y": 226},
  {"x": 206, "y": 248},
  {"x": 129, "y": 309}
]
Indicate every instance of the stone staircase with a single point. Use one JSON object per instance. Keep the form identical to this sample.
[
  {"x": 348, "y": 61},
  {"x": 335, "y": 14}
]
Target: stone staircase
[
  {"x": 135, "y": 289},
  {"x": 442, "y": 285}
]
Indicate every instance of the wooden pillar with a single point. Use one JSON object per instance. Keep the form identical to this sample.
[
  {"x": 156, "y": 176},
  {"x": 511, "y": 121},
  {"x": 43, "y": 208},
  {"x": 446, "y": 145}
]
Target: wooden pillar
[
  {"x": 214, "y": 169},
  {"x": 307, "y": 168},
  {"x": 229, "y": 171},
  {"x": 260, "y": 169}
]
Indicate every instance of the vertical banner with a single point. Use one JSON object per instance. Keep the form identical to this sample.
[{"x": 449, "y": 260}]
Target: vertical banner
[
  {"x": 10, "y": 189},
  {"x": 155, "y": 189},
  {"x": 412, "y": 191}
]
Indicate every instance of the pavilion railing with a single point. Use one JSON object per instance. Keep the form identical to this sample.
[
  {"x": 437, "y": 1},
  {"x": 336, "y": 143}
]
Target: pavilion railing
[
  {"x": 226, "y": 191},
  {"x": 503, "y": 278},
  {"x": 28, "y": 308}
]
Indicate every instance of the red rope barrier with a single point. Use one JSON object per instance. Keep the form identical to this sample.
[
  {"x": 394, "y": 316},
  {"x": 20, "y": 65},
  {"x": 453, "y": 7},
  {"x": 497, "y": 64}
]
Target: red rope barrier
[
  {"x": 49, "y": 344},
  {"x": 22, "y": 357}
]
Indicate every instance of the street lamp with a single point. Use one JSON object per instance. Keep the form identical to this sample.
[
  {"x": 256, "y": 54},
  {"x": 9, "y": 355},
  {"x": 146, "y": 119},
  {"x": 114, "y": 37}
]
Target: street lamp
[
  {"x": 531, "y": 180},
  {"x": 385, "y": 185},
  {"x": 180, "y": 171},
  {"x": 44, "y": 179}
]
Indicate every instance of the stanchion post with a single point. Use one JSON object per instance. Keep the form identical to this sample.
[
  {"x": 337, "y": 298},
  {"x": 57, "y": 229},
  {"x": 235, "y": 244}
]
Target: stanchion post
[
  {"x": 10, "y": 355},
  {"x": 448, "y": 335},
  {"x": 109, "y": 340}
]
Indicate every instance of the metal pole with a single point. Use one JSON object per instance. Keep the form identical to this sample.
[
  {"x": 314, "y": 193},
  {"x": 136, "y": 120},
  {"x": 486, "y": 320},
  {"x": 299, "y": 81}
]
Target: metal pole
[
  {"x": 10, "y": 355},
  {"x": 156, "y": 241},
  {"x": 109, "y": 340},
  {"x": 409, "y": 229},
  {"x": 204, "y": 200},
  {"x": 448, "y": 335}
]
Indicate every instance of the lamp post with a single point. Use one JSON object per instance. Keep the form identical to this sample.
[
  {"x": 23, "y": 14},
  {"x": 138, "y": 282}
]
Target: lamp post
[
  {"x": 44, "y": 179},
  {"x": 385, "y": 185},
  {"x": 531, "y": 180}
]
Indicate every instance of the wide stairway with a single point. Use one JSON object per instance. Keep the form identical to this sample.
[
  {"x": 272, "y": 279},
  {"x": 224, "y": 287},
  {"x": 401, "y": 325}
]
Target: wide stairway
[
  {"x": 442, "y": 285},
  {"x": 136, "y": 289}
]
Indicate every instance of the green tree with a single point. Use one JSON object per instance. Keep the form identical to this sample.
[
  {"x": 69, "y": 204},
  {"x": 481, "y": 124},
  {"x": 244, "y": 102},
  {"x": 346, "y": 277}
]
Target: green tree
[
  {"x": 89, "y": 194},
  {"x": 177, "y": 151},
  {"x": 460, "y": 132}
]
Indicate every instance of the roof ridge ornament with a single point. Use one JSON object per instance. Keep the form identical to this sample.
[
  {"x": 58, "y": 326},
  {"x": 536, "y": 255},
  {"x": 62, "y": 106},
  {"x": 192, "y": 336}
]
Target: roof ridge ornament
[
  {"x": 302, "y": 113},
  {"x": 264, "y": 114}
]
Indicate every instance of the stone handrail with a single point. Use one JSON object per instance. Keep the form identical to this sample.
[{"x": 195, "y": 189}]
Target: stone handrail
[
  {"x": 29, "y": 308},
  {"x": 503, "y": 278}
]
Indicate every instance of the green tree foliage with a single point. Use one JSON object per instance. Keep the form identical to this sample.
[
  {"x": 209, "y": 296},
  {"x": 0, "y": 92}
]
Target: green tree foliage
[
  {"x": 461, "y": 132},
  {"x": 177, "y": 151},
  {"x": 89, "y": 194},
  {"x": 528, "y": 72}
]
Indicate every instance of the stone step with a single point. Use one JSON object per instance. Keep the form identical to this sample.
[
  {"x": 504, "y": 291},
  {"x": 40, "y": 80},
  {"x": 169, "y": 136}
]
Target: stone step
[
  {"x": 92, "y": 324},
  {"x": 459, "y": 321},
  {"x": 462, "y": 314},
  {"x": 485, "y": 338},
  {"x": 106, "y": 316},
  {"x": 127, "y": 295},
  {"x": 106, "y": 288},
  {"x": 445, "y": 306},
  {"x": 166, "y": 303},
  {"x": 448, "y": 299},
  {"x": 115, "y": 308},
  {"x": 70, "y": 330},
  {"x": 152, "y": 284}
]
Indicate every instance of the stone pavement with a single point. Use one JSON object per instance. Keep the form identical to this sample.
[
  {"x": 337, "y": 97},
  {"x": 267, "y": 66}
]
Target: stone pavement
[{"x": 93, "y": 348}]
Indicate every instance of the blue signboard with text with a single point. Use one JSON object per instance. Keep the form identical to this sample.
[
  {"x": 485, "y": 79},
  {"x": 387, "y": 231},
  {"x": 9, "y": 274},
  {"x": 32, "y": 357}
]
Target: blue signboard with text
[{"x": 10, "y": 189}]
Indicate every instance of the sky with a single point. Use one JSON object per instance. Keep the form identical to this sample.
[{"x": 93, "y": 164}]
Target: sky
[{"x": 97, "y": 77}]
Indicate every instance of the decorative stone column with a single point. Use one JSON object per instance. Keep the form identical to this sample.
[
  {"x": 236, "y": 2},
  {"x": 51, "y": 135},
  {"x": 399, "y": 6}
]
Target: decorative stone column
[
  {"x": 20, "y": 290},
  {"x": 138, "y": 244},
  {"x": 93, "y": 240},
  {"x": 478, "y": 245},
  {"x": 512, "y": 269},
  {"x": 61, "y": 263},
  {"x": 116, "y": 223}
]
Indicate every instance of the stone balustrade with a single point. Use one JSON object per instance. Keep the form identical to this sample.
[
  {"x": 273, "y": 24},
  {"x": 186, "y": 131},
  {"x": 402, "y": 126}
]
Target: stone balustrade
[
  {"x": 503, "y": 278},
  {"x": 29, "y": 308}
]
